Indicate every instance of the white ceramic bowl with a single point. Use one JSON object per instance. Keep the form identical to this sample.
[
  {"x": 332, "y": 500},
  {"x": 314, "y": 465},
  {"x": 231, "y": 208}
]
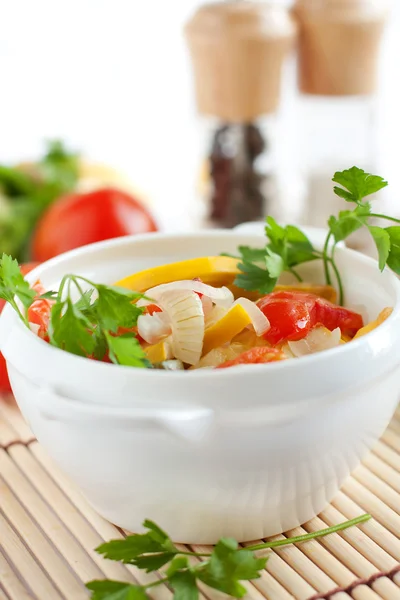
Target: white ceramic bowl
[{"x": 246, "y": 452}]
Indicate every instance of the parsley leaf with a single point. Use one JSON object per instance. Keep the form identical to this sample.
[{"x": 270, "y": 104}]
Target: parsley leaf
[
  {"x": 290, "y": 243},
  {"x": 288, "y": 247},
  {"x": 70, "y": 330},
  {"x": 126, "y": 350},
  {"x": 274, "y": 232},
  {"x": 349, "y": 221},
  {"x": 252, "y": 254},
  {"x": 227, "y": 567},
  {"x": 254, "y": 278},
  {"x": 115, "y": 309},
  {"x": 154, "y": 541},
  {"x": 393, "y": 260},
  {"x": 12, "y": 283},
  {"x": 152, "y": 562},
  {"x": 274, "y": 263},
  {"x": 357, "y": 184},
  {"x": 382, "y": 242},
  {"x": 184, "y": 585},
  {"x": 116, "y": 590}
]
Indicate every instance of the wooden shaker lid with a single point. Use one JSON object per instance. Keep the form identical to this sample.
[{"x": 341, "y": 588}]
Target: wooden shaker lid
[
  {"x": 237, "y": 51},
  {"x": 339, "y": 44}
]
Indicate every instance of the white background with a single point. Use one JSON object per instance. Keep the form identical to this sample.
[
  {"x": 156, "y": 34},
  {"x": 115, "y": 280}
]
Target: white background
[{"x": 113, "y": 78}]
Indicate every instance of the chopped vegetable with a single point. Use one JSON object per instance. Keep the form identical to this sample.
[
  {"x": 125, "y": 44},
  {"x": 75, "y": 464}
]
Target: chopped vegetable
[
  {"x": 185, "y": 313},
  {"x": 220, "y": 296},
  {"x": 255, "y": 356},
  {"x": 385, "y": 314},
  {"x": 224, "y": 330},
  {"x": 318, "y": 340},
  {"x": 333, "y": 316},
  {"x": 152, "y": 328},
  {"x": 160, "y": 352},
  {"x": 290, "y": 319},
  {"x": 219, "y": 355}
]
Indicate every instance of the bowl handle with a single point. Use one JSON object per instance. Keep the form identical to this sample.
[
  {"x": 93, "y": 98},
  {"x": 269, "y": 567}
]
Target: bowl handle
[{"x": 192, "y": 423}]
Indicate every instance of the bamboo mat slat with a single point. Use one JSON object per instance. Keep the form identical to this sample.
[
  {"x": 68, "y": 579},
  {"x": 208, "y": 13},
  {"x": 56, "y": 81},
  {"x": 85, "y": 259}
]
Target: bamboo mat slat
[{"x": 48, "y": 533}]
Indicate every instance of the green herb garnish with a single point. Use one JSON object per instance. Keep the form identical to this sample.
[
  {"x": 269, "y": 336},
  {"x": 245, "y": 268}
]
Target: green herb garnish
[
  {"x": 88, "y": 326},
  {"x": 223, "y": 569},
  {"x": 25, "y": 192},
  {"x": 13, "y": 285},
  {"x": 288, "y": 247}
]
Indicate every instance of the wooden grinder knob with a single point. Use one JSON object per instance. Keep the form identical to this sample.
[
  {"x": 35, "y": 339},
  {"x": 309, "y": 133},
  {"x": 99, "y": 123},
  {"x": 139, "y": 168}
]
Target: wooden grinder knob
[
  {"x": 237, "y": 50},
  {"x": 339, "y": 45}
]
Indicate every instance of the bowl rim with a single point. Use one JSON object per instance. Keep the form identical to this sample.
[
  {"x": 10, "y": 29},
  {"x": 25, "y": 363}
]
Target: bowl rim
[{"x": 292, "y": 366}]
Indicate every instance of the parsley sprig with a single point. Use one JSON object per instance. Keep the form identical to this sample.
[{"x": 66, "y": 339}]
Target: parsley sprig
[
  {"x": 288, "y": 247},
  {"x": 89, "y": 326},
  {"x": 13, "y": 285},
  {"x": 223, "y": 569}
]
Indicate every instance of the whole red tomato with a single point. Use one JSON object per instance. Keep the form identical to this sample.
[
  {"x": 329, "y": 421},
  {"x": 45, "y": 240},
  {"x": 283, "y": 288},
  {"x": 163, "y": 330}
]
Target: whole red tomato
[
  {"x": 79, "y": 219},
  {"x": 4, "y": 381}
]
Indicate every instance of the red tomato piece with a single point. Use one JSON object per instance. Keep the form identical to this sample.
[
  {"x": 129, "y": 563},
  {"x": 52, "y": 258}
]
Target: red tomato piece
[
  {"x": 309, "y": 300},
  {"x": 79, "y": 219},
  {"x": 152, "y": 308},
  {"x": 333, "y": 316},
  {"x": 320, "y": 311},
  {"x": 4, "y": 381},
  {"x": 39, "y": 312},
  {"x": 254, "y": 356},
  {"x": 290, "y": 320}
]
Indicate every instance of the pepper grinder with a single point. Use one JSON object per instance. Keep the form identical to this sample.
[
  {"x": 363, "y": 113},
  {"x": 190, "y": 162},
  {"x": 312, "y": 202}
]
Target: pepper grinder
[
  {"x": 237, "y": 51},
  {"x": 339, "y": 43}
]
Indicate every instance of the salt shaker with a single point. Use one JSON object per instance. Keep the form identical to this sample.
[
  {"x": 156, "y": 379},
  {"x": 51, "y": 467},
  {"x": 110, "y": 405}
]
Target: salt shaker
[
  {"x": 237, "y": 51},
  {"x": 338, "y": 54}
]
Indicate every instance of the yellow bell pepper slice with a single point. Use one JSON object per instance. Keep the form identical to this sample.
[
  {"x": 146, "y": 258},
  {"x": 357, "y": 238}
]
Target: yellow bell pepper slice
[
  {"x": 213, "y": 270},
  {"x": 224, "y": 330},
  {"x": 385, "y": 314},
  {"x": 159, "y": 352}
]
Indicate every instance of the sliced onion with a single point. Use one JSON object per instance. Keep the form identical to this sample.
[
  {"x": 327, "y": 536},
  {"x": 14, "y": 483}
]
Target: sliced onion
[
  {"x": 258, "y": 319},
  {"x": 34, "y": 328},
  {"x": 220, "y": 296},
  {"x": 186, "y": 317},
  {"x": 317, "y": 340},
  {"x": 287, "y": 351},
  {"x": 215, "y": 315},
  {"x": 152, "y": 328},
  {"x": 207, "y": 305}
]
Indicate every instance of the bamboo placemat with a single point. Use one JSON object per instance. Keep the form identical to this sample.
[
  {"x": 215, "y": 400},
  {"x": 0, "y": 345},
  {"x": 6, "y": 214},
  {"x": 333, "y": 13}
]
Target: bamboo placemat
[{"x": 48, "y": 532}]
